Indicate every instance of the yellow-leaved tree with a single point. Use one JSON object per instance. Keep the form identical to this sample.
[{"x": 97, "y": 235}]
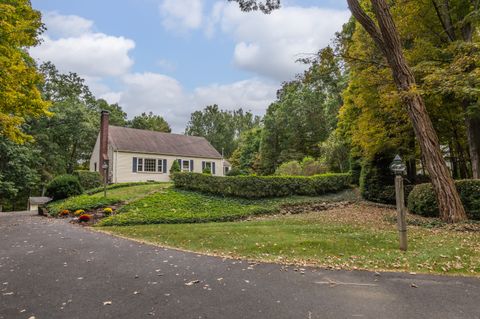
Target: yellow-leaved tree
[{"x": 20, "y": 97}]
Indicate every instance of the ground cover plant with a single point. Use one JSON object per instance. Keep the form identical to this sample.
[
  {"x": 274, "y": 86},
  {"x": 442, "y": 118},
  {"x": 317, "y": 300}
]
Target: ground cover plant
[
  {"x": 114, "y": 196},
  {"x": 178, "y": 206},
  {"x": 358, "y": 236}
]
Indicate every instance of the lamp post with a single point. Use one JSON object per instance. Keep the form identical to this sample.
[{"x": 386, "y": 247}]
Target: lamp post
[
  {"x": 105, "y": 178},
  {"x": 399, "y": 168}
]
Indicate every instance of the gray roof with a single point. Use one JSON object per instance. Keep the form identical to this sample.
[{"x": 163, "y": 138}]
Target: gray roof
[
  {"x": 143, "y": 141},
  {"x": 39, "y": 200}
]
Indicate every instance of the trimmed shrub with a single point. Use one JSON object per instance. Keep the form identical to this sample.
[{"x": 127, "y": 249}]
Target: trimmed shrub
[
  {"x": 64, "y": 186},
  {"x": 236, "y": 172},
  {"x": 89, "y": 180},
  {"x": 422, "y": 199},
  {"x": 262, "y": 186},
  {"x": 175, "y": 167}
]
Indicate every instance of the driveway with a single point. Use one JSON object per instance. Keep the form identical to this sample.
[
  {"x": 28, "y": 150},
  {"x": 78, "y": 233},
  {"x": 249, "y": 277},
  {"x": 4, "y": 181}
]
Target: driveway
[{"x": 52, "y": 269}]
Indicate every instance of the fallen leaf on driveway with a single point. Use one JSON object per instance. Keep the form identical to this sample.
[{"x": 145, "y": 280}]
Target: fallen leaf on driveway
[
  {"x": 107, "y": 303},
  {"x": 413, "y": 285},
  {"x": 190, "y": 283}
]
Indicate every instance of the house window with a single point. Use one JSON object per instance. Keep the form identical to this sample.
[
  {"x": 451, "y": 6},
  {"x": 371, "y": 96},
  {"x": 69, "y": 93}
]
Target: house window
[
  {"x": 150, "y": 165},
  {"x": 207, "y": 167},
  {"x": 185, "y": 166}
]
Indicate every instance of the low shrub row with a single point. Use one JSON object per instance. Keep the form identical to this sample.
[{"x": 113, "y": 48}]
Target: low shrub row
[
  {"x": 262, "y": 186},
  {"x": 422, "y": 199}
]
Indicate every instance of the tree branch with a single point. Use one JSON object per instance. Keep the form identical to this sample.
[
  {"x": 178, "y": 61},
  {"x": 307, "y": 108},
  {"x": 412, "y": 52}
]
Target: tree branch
[
  {"x": 445, "y": 20},
  {"x": 367, "y": 22}
]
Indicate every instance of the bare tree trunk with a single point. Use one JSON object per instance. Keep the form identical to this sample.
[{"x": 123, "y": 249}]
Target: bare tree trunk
[{"x": 388, "y": 40}]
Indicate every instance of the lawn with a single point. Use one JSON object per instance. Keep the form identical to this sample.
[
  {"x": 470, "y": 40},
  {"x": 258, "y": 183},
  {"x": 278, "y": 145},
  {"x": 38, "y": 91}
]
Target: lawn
[
  {"x": 114, "y": 196},
  {"x": 357, "y": 236},
  {"x": 177, "y": 206}
]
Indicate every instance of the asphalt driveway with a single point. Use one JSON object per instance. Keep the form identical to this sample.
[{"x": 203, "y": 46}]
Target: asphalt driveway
[{"x": 51, "y": 269}]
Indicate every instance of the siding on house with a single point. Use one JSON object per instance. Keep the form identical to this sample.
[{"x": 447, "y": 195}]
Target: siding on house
[
  {"x": 94, "y": 159},
  {"x": 95, "y": 155},
  {"x": 123, "y": 166}
]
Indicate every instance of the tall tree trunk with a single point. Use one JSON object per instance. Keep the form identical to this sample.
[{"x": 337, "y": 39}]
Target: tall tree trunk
[
  {"x": 388, "y": 40},
  {"x": 473, "y": 136}
]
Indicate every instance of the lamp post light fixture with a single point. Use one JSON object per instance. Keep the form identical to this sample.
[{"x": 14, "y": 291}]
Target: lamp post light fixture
[
  {"x": 105, "y": 178},
  {"x": 399, "y": 168}
]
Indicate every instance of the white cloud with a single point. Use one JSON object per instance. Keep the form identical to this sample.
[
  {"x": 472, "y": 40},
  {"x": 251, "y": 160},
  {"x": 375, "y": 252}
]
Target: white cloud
[
  {"x": 59, "y": 25},
  {"x": 253, "y": 94},
  {"x": 164, "y": 95},
  {"x": 79, "y": 49},
  {"x": 269, "y": 45},
  {"x": 181, "y": 15}
]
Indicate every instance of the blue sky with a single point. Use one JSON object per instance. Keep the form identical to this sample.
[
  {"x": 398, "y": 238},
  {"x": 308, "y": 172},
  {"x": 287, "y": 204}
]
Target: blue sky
[{"x": 175, "y": 56}]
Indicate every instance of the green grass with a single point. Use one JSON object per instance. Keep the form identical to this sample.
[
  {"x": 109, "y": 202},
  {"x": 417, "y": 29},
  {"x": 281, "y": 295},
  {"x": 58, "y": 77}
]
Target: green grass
[
  {"x": 356, "y": 237},
  {"x": 176, "y": 206},
  {"x": 114, "y": 196}
]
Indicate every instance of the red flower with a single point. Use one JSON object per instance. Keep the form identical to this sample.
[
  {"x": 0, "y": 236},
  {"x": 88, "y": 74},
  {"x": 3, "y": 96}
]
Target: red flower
[{"x": 85, "y": 218}]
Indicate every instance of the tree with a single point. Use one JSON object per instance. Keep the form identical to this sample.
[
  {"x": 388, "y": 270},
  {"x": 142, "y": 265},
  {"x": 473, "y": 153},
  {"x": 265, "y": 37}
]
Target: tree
[
  {"x": 65, "y": 139},
  {"x": 20, "y": 98},
  {"x": 18, "y": 172},
  {"x": 150, "y": 122},
  {"x": 247, "y": 154},
  {"x": 385, "y": 36},
  {"x": 117, "y": 116},
  {"x": 387, "y": 39},
  {"x": 220, "y": 127}
]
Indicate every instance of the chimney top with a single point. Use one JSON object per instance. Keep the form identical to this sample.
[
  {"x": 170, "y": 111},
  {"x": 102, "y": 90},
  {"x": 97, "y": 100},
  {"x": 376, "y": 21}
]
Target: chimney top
[{"x": 105, "y": 112}]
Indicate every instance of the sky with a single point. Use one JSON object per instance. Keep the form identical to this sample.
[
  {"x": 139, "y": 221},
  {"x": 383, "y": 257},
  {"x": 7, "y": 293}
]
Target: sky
[{"x": 172, "y": 57}]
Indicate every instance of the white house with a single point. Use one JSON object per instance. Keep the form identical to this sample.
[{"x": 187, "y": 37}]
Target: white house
[{"x": 133, "y": 155}]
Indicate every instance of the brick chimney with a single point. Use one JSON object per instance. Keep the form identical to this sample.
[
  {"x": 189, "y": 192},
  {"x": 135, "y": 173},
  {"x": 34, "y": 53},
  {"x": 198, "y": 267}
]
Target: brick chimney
[{"x": 103, "y": 142}]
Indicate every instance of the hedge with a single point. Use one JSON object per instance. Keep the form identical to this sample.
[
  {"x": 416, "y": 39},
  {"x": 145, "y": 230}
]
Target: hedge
[
  {"x": 422, "y": 199},
  {"x": 88, "y": 179},
  {"x": 262, "y": 186}
]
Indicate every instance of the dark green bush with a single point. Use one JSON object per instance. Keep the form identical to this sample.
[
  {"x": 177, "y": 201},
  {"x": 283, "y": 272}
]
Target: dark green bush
[
  {"x": 64, "y": 186},
  {"x": 377, "y": 181},
  {"x": 422, "y": 199},
  {"x": 175, "y": 167},
  {"x": 355, "y": 170},
  {"x": 262, "y": 186},
  {"x": 89, "y": 180}
]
